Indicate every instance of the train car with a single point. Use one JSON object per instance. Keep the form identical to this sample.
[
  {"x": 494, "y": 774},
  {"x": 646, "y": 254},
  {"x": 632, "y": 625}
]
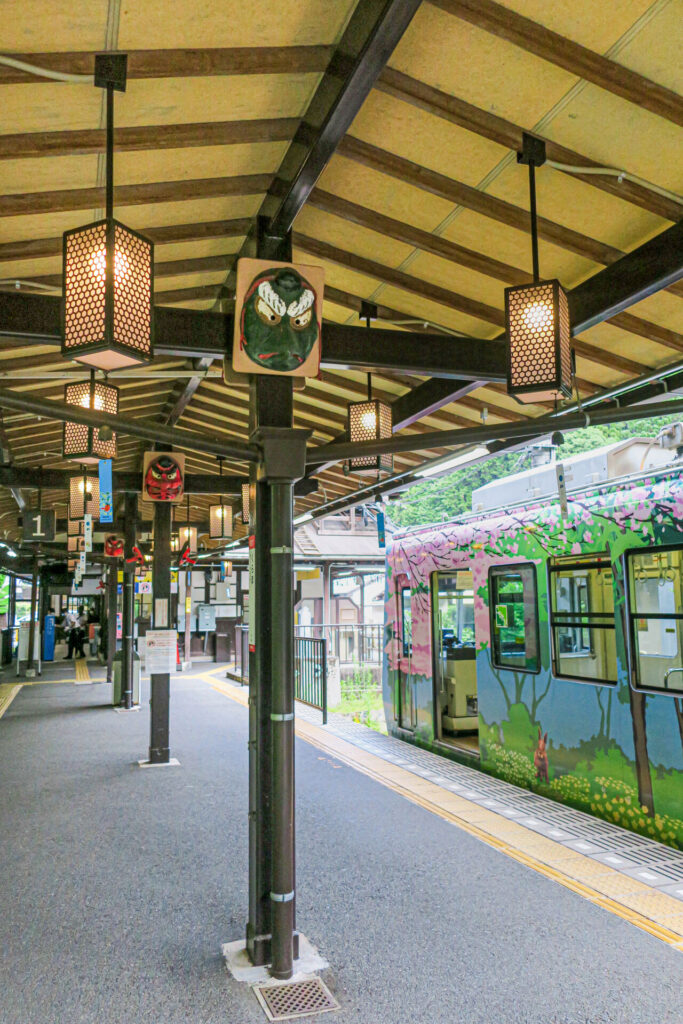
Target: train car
[{"x": 542, "y": 641}]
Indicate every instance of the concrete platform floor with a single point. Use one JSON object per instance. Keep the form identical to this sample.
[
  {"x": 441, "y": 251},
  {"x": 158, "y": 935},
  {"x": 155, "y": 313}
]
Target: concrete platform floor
[{"x": 119, "y": 886}]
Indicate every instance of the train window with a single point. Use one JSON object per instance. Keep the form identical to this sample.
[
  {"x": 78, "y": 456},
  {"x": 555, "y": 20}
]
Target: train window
[
  {"x": 406, "y": 621},
  {"x": 455, "y": 611},
  {"x": 582, "y": 621},
  {"x": 514, "y": 618},
  {"x": 655, "y": 580}
]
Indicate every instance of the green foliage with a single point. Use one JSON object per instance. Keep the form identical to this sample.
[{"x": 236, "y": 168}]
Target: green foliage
[
  {"x": 433, "y": 501},
  {"x": 362, "y": 699}
]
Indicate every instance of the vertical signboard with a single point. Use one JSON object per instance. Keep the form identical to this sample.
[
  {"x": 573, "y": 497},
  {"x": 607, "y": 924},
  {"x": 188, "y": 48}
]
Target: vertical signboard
[
  {"x": 87, "y": 531},
  {"x": 252, "y": 592},
  {"x": 106, "y": 492},
  {"x": 381, "y": 535}
]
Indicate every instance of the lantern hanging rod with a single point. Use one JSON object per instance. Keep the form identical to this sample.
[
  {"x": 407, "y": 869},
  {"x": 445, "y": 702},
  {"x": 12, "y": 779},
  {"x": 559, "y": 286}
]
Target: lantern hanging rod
[
  {"x": 110, "y": 74},
  {"x": 532, "y": 153},
  {"x": 147, "y": 431},
  {"x": 450, "y": 438}
]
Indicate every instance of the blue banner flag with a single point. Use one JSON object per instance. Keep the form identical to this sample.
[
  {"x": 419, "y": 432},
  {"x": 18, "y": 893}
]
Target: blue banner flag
[
  {"x": 381, "y": 538},
  {"x": 106, "y": 492}
]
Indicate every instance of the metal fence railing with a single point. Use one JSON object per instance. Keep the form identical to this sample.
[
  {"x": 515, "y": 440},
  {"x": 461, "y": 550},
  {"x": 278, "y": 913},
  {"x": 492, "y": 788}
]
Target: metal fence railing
[
  {"x": 310, "y": 672},
  {"x": 355, "y": 643},
  {"x": 310, "y": 668}
]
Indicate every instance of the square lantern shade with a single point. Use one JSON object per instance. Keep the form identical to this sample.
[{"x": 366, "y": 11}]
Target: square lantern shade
[
  {"x": 245, "y": 503},
  {"x": 370, "y": 421},
  {"x": 84, "y": 496},
  {"x": 82, "y": 442},
  {"x": 220, "y": 522},
  {"x": 107, "y": 319},
  {"x": 74, "y": 527},
  {"x": 188, "y": 533},
  {"x": 75, "y": 543},
  {"x": 538, "y": 329},
  {"x": 71, "y": 564}
]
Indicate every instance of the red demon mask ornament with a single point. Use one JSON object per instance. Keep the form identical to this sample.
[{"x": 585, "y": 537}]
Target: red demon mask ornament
[
  {"x": 113, "y": 546},
  {"x": 164, "y": 479}
]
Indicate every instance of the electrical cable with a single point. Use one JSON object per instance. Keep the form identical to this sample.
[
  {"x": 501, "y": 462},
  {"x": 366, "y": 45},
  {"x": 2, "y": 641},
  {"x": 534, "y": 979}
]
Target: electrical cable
[
  {"x": 19, "y": 283},
  {"x": 620, "y": 175},
  {"x": 55, "y": 76}
]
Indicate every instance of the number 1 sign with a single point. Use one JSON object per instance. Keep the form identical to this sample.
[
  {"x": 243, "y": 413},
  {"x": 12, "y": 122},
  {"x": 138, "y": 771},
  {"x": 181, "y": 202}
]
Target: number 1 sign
[{"x": 39, "y": 525}]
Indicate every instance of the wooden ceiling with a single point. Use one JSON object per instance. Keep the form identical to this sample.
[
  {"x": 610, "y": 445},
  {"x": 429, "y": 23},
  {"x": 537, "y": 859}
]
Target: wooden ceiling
[{"x": 422, "y": 208}]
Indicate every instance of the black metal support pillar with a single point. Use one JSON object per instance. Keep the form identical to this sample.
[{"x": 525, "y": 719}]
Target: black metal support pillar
[
  {"x": 284, "y": 458},
  {"x": 128, "y": 624},
  {"x": 161, "y": 591},
  {"x": 111, "y": 602},
  {"x": 34, "y": 607},
  {"x": 271, "y": 405}
]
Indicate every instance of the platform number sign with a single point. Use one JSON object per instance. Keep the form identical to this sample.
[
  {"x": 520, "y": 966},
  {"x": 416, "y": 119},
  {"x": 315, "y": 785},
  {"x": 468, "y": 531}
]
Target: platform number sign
[{"x": 39, "y": 525}]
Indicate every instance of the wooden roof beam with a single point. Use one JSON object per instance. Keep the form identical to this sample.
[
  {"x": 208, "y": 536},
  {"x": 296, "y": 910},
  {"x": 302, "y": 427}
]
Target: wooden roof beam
[
  {"x": 566, "y": 54},
  {"x": 38, "y": 248},
  {"x": 65, "y": 200},
  {"x": 181, "y": 63},
  {"x": 509, "y": 135},
  {"x": 27, "y": 145}
]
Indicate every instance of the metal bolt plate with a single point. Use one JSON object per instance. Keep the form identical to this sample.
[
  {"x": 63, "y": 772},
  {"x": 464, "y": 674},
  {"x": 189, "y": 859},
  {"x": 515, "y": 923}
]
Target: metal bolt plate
[{"x": 298, "y": 999}]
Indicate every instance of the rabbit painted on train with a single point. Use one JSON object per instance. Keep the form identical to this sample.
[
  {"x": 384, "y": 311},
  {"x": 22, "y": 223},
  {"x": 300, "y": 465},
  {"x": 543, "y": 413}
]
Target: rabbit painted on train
[{"x": 541, "y": 757}]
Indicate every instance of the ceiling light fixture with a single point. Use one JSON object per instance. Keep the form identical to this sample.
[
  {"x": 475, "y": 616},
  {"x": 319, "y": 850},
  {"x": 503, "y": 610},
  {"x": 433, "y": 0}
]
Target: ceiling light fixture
[
  {"x": 89, "y": 444},
  {"x": 370, "y": 420},
  {"x": 537, "y": 315},
  {"x": 108, "y": 269}
]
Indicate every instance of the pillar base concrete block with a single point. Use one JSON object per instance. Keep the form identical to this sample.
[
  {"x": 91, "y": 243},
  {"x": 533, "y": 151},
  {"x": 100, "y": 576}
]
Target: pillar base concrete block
[
  {"x": 240, "y": 966},
  {"x": 172, "y": 762}
]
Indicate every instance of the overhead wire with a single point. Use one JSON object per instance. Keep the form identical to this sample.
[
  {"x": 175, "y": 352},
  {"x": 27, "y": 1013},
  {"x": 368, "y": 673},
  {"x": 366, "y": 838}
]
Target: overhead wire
[{"x": 55, "y": 76}]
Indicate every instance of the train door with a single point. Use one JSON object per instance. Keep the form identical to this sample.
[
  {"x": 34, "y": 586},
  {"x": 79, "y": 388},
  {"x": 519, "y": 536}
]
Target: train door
[
  {"x": 405, "y": 711},
  {"x": 456, "y": 717}
]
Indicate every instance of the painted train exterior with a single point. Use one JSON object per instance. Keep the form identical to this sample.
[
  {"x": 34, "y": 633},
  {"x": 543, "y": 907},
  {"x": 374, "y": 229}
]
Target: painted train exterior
[{"x": 554, "y": 644}]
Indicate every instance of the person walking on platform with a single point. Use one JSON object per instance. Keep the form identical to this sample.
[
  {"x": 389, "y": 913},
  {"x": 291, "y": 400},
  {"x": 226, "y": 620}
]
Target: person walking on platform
[
  {"x": 70, "y": 627},
  {"x": 81, "y": 631}
]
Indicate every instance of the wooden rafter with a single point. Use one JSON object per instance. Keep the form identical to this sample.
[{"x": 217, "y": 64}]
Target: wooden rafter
[
  {"x": 565, "y": 53},
  {"x": 509, "y": 135},
  {"x": 169, "y": 136},
  {"x": 182, "y": 63},
  {"x": 63, "y": 200}
]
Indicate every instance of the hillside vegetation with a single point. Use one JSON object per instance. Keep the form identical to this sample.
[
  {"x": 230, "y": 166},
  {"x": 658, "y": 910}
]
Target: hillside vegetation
[{"x": 433, "y": 501}]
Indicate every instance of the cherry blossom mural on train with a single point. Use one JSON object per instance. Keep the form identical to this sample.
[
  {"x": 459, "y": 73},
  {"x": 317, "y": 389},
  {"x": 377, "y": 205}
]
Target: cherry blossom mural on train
[{"x": 611, "y": 746}]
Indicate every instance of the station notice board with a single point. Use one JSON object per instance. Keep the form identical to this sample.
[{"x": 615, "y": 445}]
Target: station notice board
[{"x": 161, "y": 651}]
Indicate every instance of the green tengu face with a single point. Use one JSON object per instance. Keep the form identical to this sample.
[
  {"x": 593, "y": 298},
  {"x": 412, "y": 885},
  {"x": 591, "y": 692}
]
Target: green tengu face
[{"x": 279, "y": 324}]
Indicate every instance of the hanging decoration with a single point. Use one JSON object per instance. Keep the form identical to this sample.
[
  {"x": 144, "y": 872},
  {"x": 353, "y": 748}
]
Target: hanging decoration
[
  {"x": 278, "y": 317},
  {"x": 163, "y": 476},
  {"x": 537, "y": 315},
  {"x": 108, "y": 269}
]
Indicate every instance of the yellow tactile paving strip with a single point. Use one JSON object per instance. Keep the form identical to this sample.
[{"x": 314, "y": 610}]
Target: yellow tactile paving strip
[
  {"x": 82, "y": 671},
  {"x": 8, "y": 692},
  {"x": 642, "y": 906}
]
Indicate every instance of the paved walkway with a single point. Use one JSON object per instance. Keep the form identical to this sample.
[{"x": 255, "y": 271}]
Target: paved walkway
[{"x": 119, "y": 885}]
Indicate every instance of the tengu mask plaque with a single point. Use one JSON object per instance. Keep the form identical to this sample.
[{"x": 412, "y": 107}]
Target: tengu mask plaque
[
  {"x": 163, "y": 476},
  {"x": 278, "y": 313}
]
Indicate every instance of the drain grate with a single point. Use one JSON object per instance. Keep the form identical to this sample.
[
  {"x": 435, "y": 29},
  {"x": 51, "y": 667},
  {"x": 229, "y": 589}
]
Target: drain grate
[{"x": 299, "y": 999}]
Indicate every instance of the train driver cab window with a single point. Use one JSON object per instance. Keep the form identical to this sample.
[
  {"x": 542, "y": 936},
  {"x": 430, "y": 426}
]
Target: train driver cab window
[
  {"x": 582, "y": 620},
  {"x": 406, "y": 621},
  {"x": 514, "y": 618},
  {"x": 655, "y": 582}
]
